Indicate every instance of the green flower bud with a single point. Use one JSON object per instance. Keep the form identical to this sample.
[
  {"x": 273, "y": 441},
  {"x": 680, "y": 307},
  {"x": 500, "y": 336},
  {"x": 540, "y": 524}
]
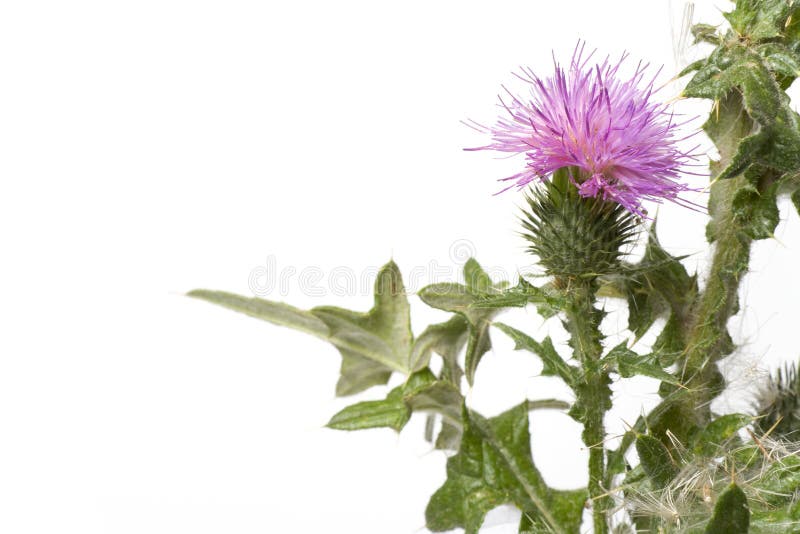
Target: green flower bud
[{"x": 575, "y": 236}]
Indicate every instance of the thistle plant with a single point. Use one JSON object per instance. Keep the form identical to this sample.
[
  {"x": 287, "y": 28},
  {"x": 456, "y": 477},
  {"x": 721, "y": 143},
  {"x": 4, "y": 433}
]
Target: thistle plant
[{"x": 600, "y": 149}]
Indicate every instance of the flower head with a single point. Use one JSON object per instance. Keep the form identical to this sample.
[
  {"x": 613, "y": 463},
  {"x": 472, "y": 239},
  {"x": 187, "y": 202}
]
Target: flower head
[{"x": 618, "y": 143}]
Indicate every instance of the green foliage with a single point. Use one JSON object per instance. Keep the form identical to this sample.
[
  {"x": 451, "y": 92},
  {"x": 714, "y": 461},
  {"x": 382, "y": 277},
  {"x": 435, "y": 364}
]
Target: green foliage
[
  {"x": 657, "y": 286},
  {"x": 440, "y": 397},
  {"x": 731, "y": 513},
  {"x": 553, "y": 364},
  {"x": 713, "y": 437},
  {"x": 782, "y": 60},
  {"x": 393, "y": 412},
  {"x": 779, "y": 479},
  {"x": 372, "y": 344},
  {"x": 776, "y": 143},
  {"x": 757, "y": 59},
  {"x": 756, "y": 212},
  {"x": 277, "y": 313},
  {"x": 445, "y": 339},
  {"x": 493, "y": 467},
  {"x": 422, "y": 392},
  {"x": 704, "y": 33},
  {"x": 375, "y": 343},
  {"x": 628, "y": 364},
  {"x": 758, "y": 20},
  {"x": 656, "y": 460},
  {"x": 692, "y": 493},
  {"x": 548, "y": 300},
  {"x": 757, "y": 134},
  {"x": 463, "y": 300},
  {"x": 566, "y": 506}
]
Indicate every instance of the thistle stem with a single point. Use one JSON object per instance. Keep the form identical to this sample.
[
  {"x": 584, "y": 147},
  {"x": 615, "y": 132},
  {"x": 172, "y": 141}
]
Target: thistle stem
[
  {"x": 593, "y": 395},
  {"x": 708, "y": 339}
]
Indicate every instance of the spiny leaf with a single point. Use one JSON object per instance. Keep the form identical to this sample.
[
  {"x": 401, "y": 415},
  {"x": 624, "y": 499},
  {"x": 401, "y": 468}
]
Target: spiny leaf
[
  {"x": 547, "y": 299},
  {"x": 391, "y": 412},
  {"x": 358, "y": 373},
  {"x": 780, "y": 59},
  {"x": 727, "y": 125},
  {"x": 461, "y": 299},
  {"x": 382, "y": 336},
  {"x": 778, "y": 404},
  {"x": 705, "y": 33},
  {"x": 731, "y": 513},
  {"x": 443, "y": 400},
  {"x": 445, "y": 339},
  {"x": 477, "y": 280},
  {"x": 441, "y": 397},
  {"x": 494, "y": 467},
  {"x": 478, "y": 344},
  {"x": 372, "y": 344},
  {"x": 760, "y": 19},
  {"x": 671, "y": 342},
  {"x": 421, "y": 392},
  {"x": 548, "y": 404},
  {"x": 449, "y": 437},
  {"x": 692, "y": 67},
  {"x": 629, "y": 364},
  {"x": 655, "y": 460},
  {"x": 277, "y": 313},
  {"x": 553, "y": 364},
  {"x": 709, "y": 440},
  {"x": 567, "y": 506},
  {"x": 733, "y": 68},
  {"x": 447, "y": 296},
  {"x": 657, "y": 285},
  {"x": 756, "y": 212}
]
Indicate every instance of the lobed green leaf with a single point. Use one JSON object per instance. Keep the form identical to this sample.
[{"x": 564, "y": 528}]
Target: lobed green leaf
[
  {"x": 445, "y": 339},
  {"x": 493, "y": 467},
  {"x": 461, "y": 299},
  {"x": 760, "y": 19},
  {"x": 372, "y": 344}
]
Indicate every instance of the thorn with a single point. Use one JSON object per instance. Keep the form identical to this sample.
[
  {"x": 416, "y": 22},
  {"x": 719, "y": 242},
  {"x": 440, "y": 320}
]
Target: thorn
[
  {"x": 707, "y": 188},
  {"x": 781, "y": 243},
  {"x": 773, "y": 427},
  {"x": 758, "y": 442},
  {"x": 675, "y": 98}
]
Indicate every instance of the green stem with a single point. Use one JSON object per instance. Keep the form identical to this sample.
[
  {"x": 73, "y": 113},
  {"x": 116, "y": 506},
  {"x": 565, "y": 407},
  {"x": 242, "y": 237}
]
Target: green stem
[
  {"x": 708, "y": 339},
  {"x": 706, "y": 336},
  {"x": 593, "y": 394}
]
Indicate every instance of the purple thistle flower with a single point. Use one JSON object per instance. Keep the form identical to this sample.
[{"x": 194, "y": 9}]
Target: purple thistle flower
[{"x": 622, "y": 144}]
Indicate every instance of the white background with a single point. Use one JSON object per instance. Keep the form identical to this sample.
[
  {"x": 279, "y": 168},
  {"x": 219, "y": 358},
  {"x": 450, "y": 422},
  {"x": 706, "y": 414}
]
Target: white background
[{"x": 151, "y": 147}]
